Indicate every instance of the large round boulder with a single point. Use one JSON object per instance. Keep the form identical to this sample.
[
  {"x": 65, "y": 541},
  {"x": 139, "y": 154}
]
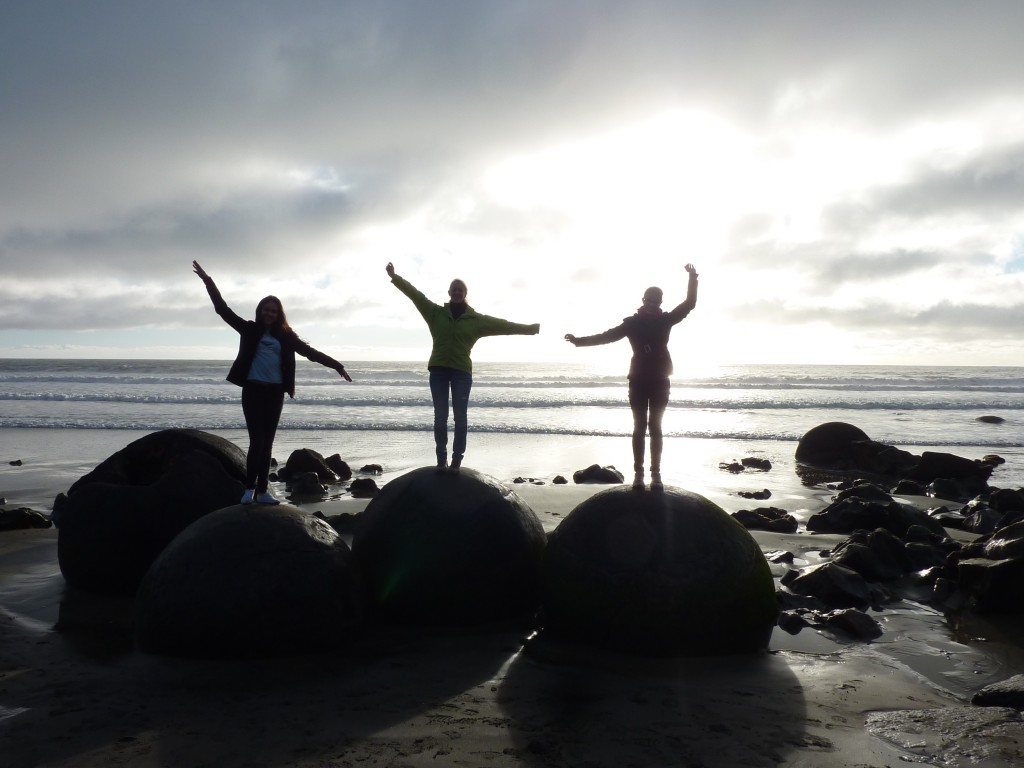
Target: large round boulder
[
  {"x": 250, "y": 580},
  {"x": 830, "y": 445},
  {"x": 110, "y": 532},
  {"x": 657, "y": 573},
  {"x": 452, "y": 549}
]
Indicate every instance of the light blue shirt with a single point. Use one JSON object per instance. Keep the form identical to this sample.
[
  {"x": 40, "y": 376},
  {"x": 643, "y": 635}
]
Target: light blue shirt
[{"x": 266, "y": 365}]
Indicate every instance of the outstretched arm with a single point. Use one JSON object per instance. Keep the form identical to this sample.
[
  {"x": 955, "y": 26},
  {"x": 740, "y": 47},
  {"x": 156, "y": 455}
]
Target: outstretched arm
[
  {"x": 317, "y": 356},
  {"x": 423, "y": 305},
  {"x": 612, "y": 334}
]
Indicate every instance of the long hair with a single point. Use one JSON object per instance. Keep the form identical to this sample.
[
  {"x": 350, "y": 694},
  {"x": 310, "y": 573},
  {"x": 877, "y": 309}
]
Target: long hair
[{"x": 282, "y": 319}]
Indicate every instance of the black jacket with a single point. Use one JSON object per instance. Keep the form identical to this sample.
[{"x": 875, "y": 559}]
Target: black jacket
[
  {"x": 648, "y": 335},
  {"x": 249, "y": 334}
]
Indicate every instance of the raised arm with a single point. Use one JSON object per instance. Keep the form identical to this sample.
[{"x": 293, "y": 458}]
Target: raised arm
[
  {"x": 690, "y": 301},
  {"x": 219, "y": 305},
  {"x": 424, "y": 305}
]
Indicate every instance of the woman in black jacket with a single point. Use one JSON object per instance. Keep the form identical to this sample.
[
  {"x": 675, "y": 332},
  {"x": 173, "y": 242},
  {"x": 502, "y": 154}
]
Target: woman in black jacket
[
  {"x": 649, "y": 370},
  {"x": 265, "y": 370}
]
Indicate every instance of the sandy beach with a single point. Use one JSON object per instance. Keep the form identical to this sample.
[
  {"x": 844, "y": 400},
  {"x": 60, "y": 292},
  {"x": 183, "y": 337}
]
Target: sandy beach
[{"x": 74, "y": 691}]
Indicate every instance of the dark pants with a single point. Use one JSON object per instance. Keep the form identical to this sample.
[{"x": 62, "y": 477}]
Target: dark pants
[
  {"x": 459, "y": 383},
  {"x": 261, "y": 404},
  {"x": 648, "y": 400}
]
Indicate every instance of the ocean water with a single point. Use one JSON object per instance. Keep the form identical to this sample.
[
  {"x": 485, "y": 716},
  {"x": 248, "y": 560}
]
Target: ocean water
[
  {"x": 385, "y": 414},
  {"x": 896, "y": 405}
]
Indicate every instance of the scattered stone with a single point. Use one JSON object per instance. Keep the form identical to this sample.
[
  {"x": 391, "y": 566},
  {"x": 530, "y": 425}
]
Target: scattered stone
[
  {"x": 991, "y": 419},
  {"x": 15, "y": 463},
  {"x": 306, "y": 460},
  {"x": 865, "y": 491},
  {"x": 752, "y": 462},
  {"x": 735, "y": 467},
  {"x": 755, "y": 495},
  {"x": 993, "y": 459},
  {"x": 449, "y": 549},
  {"x": 767, "y": 519},
  {"x": 22, "y": 518},
  {"x": 597, "y": 474},
  {"x": 372, "y": 469},
  {"x": 836, "y": 585},
  {"x": 306, "y": 486},
  {"x": 363, "y": 487},
  {"x": 657, "y": 574},
  {"x": 1006, "y": 693},
  {"x": 339, "y": 467},
  {"x": 779, "y": 556},
  {"x": 250, "y": 580},
  {"x": 559, "y": 480},
  {"x": 852, "y": 622}
]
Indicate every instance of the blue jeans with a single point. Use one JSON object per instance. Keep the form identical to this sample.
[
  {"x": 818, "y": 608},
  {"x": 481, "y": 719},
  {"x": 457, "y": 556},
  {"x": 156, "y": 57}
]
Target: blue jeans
[
  {"x": 443, "y": 380},
  {"x": 261, "y": 404}
]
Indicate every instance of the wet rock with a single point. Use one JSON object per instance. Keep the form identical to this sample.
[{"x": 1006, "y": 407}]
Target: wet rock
[
  {"x": 363, "y": 487},
  {"x": 1006, "y": 500},
  {"x": 909, "y": 488},
  {"x": 306, "y": 460},
  {"x": 979, "y": 517},
  {"x": 992, "y": 586},
  {"x": 767, "y": 519},
  {"x": 1005, "y": 693},
  {"x": 849, "y": 514},
  {"x": 753, "y": 462},
  {"x": 657, "y": 574},
  {"x": 15, "y": 463},
  {"x": 372, "y": 469},
  {"x": 852, "y": 622},
  {"x": 251, "y": 580},
  {"x": 449, "y": 549},
  {"x": 830, "y": 445},
  {"x": 559, "y": 480},
  {"x": 865, "y": 561},
  {"x": 22, "y": 518},
  {"x": 735, "y": 467},
  {"x": 597, "y": 474},
  {"x": 756, "y": 495},
  {"x": 339, "y": 467},
  {"x": 836, "y": 586},
  {"x": 865, "y": 491},
  {"x": 306, "y": 486},
  {"x": 991, "y": 419}
]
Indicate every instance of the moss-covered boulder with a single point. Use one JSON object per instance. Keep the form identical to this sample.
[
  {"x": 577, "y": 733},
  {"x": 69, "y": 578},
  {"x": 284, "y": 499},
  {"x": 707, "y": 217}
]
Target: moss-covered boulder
[
  {"x": 449, "y": 549},
  {"x": 657, "y": 573}
]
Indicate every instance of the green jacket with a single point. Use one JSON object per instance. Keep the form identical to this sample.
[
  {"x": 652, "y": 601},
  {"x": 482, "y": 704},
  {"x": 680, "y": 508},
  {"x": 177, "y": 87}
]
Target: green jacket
[{"x": 454, "y": 339}]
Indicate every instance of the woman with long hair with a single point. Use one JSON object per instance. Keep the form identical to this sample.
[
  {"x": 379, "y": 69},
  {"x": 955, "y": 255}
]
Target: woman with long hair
[
  {"x": 265, "y": 370},
  {"x": 454, "y": 328},
  {"x": 649, "y": 370}
]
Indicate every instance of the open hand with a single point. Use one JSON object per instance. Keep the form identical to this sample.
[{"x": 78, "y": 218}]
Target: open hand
[
  {"x": 691, "y": 269},
  {"x": 199, "y": 270}
]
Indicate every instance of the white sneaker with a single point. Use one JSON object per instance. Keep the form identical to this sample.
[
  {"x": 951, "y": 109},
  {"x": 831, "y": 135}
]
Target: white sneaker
[
  {"x": 656, "y": 484},
  {"x": 247, "y": 496},
  {"x": 266, "y": 498},
  {"x": 638, "y": 481}
]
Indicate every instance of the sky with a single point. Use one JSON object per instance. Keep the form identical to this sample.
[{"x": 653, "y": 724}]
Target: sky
[{"x": 847, "y": 178}]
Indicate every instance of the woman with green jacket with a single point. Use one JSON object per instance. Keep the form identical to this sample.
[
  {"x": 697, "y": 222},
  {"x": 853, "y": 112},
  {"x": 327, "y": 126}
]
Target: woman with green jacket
[{"x": 454, "y": 327}]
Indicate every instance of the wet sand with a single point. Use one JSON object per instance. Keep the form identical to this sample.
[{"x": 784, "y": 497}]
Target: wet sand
[{"x": 75, "y": 692}]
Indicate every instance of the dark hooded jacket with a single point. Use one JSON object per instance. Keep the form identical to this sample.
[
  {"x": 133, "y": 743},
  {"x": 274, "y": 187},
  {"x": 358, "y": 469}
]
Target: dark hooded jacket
[{"x": 648, "y": 332}]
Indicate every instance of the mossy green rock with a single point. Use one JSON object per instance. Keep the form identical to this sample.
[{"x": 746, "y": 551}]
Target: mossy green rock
[{"x": 657, "y": 573}]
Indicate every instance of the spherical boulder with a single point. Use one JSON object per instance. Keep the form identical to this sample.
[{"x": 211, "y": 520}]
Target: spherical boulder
[
  {"x": 657, "y": 573},
  {"x": 250, "y": 580},
  {"x": 109, "y": 533},
  {"x": 830, "y": 445},
  {"x": 450, "y": 549}
]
